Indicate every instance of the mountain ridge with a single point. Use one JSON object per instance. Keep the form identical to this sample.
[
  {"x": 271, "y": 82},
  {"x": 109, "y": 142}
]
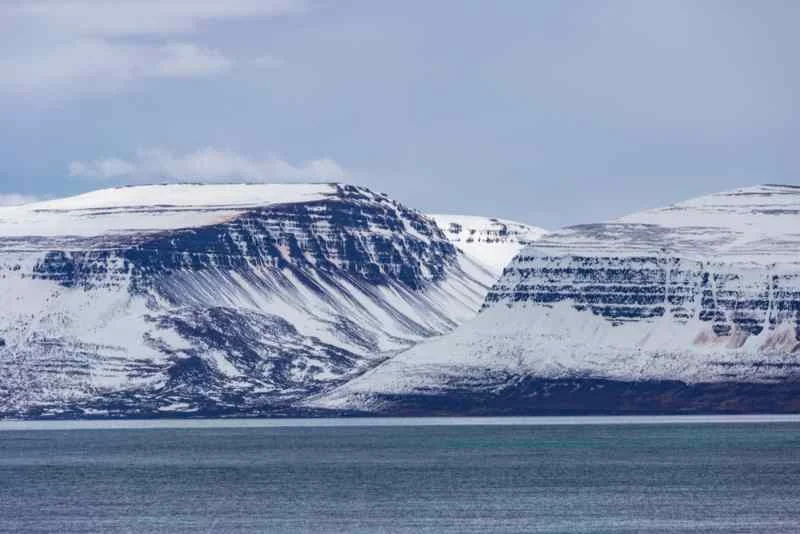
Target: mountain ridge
[
  {"x": 312, "y": 299},
  {"x": 200, "y": 299},
  {"x": 701, "y": 293}
]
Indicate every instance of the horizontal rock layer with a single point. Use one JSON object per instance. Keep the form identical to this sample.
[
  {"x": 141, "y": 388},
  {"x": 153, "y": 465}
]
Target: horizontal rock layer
[
  {"x": 259, "y": 304},
  {"x": 703, "y": 292}
]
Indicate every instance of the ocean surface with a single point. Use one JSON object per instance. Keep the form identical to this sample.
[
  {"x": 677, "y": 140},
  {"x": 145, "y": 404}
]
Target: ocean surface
[{"x": 559, "y": 475}]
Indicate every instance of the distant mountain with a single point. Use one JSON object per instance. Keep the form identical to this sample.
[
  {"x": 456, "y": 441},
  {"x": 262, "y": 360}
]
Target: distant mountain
[
  {"x": 489, "y": 241},
  {"x": 214, "y": 299},
  {"x": 690, "y": 308}
]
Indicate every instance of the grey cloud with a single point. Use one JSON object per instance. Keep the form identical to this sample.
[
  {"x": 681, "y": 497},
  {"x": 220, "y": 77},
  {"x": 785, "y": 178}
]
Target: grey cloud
[
  {"x": 662, "y": 64},
  {"x": 83, "y": 46},
  {"x": 549, "y": 112}
]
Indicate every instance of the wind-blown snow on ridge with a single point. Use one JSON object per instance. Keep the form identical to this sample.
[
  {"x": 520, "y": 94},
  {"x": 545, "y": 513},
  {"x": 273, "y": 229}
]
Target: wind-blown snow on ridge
[
  {"x": 215, "y": 299},
  {"x": 703, "y": 292}
]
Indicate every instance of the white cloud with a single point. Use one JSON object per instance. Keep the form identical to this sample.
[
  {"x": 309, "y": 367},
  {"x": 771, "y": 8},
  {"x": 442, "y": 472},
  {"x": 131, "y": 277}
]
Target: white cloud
[
  {"x": 142, "y": 17},
  {"x": 185, "y": 60},
  {"x": 63, "y": 47},
  {"x": 268, "y": 62},
  {"x": 15, "y": 199},
  {"x": 205, "y": 165},
  {"x": 103, "y": 169},
  {"x": 101, "y": 65}
]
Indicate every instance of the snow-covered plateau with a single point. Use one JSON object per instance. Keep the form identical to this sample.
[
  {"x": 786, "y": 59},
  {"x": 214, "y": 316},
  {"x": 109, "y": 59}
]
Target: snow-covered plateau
[
  {"x": 216, "y": 299},
  {"x": 692, "y": 307}
]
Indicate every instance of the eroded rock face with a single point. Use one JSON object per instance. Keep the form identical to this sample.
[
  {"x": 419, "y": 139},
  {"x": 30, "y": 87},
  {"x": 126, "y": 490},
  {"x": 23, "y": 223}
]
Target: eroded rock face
[
  {"x": 355, "y": 232},
  {"x": 732, "y": 297},
  {"x": 238, "y": 298},
  {"x": 725, "y": 260},
  {"x": 702, "y": 292}
]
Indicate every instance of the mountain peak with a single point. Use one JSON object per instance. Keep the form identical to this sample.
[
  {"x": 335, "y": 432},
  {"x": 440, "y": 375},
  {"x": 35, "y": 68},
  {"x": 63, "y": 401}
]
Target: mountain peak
[
  {"x": 216, "y": 298},
  {"x": 490, "y": 241}
]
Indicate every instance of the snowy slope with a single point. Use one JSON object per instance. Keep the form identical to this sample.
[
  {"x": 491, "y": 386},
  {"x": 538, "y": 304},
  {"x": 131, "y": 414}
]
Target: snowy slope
[
  {"x": 153, "y": 207},
  {"x": 215, "y": 298},
  {"x": 704, "y": 293},
  {"x": 489, "y": 241}
]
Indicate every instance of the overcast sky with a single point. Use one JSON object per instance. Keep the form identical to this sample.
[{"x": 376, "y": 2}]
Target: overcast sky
[{"x": 550, "y": 112}]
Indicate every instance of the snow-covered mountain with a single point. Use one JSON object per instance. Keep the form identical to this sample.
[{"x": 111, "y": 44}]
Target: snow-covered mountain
[
  {"x": 489, "y": 241},
  {"x": 693, "y": 307},
  {"x": 216, "y": 298}
]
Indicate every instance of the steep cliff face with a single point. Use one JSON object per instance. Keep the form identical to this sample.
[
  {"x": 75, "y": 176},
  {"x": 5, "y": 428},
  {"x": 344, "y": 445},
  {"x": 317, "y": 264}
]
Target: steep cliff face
[
  {"x": 705, "y": 292},
  {"x": 728, "y": 259},
  {"x": 214, "y": 299}
]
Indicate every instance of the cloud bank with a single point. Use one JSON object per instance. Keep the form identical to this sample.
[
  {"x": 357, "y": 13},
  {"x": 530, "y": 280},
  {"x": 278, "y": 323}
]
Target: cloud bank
[
  {"x": 205, "y": 165},
  {"x": 101, "y": 65}
]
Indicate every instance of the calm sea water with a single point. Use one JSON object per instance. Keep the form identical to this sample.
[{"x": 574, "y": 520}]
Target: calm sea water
[{"x": 403, "y": 476}]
